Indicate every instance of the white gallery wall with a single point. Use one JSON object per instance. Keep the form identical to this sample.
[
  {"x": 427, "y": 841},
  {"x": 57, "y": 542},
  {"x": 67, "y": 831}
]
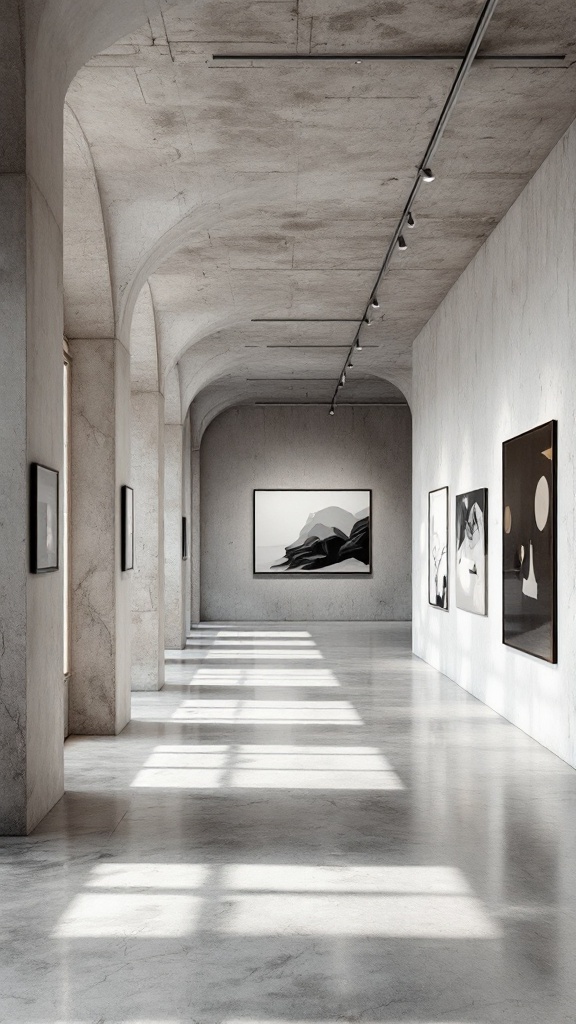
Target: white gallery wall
[
  {"x": 303, "y": 447},
  {"x": 498, "y": 358}
]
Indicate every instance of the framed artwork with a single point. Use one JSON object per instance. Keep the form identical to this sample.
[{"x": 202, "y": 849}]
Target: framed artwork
[
  {"x": 438, "y": 548},
  {"x": 529, "y": 574},
  {"x": 306, "y": 532},
  {"x": 43, "y": 519},
  {"x": 472, "y": 550},
  {"x": 127, "y": 528},
  {"x": 184, "y": 538}
]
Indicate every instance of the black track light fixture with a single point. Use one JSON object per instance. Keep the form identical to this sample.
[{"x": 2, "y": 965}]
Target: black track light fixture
[
  {"x": 410, "y": 220},
  {"x": 358, "y": 345},
  {"x": 402, "y": 243},
  {"x": 427, "y": 174},
  {"x": 367, "y": 321},
  {"x": 332, "y": 409},
  {"x": 374, "y": 302}
]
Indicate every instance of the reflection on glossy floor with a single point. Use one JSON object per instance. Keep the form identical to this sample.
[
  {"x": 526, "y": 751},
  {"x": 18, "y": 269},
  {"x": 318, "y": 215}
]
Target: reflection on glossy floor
[{"x": 307, "y": 824}]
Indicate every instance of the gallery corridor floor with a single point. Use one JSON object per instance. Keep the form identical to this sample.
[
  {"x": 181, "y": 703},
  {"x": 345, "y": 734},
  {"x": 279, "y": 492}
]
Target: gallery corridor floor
[{"x": 306, "y": 825}]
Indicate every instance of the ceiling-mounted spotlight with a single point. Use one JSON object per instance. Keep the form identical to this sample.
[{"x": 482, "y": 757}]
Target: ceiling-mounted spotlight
[
  {"x": 427, "y": 174},
  {"x": 402, "y": 243},
  {"x": 367, "y": 321},
  {"x": 374, "y": 302},
  {"x": 350, "y": 364},
  {"x": 358, "y": 345},
  {"x": 342, "y": 381},
  {"x": 410, "y": 220},
  {"x": 332, "y": 410}
]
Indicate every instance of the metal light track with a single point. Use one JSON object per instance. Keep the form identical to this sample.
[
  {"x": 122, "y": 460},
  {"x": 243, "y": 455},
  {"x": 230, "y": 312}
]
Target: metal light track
[
  {"x": 519, "y": 58},
  {"x": 451, "y": 99}
]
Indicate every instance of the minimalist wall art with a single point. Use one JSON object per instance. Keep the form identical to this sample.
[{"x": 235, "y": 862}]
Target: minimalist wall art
[
  {"x": 471, "y": 550},
  {"x": 184, "y": 538},
  {"x": 301, "y": 532},
  {"x": 43, "y": 519},
  {"x": 127, "y": 528},
  {"x": 438, "y": 548},
  {"x": 529, "y": 542}
]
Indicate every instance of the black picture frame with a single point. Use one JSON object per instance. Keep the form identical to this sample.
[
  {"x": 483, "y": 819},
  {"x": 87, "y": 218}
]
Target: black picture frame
[
  {"x": 529, "y": 542},
  {"x": 184, "y": 538},
  {"x": 471, "y": 522},
  {"x": 126, "y": 528},
  {"x": 44, "y": 519},
  {"x": 435, "y": 557},
  {"x": 316, "y": 573}
]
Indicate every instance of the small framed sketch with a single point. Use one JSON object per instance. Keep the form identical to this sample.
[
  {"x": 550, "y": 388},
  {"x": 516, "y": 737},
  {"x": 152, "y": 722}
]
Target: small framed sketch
[
  {"x": 529, "y": 570},
  {"x": 184, "y": 538},
  {"x": 438, "y": 548},
  {"x": 43, "y": 519},
  {"x": 127, "y": 528},
  {"x": 472, "y": 550}
]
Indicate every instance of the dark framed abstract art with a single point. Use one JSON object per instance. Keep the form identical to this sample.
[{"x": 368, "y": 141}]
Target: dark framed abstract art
[
  {"x": 307, "y": 532},
  {"x": 438, "y": 548},
  {"x": 472, "y": 550},
  {"x": 127, "y": 528},
  {"x": 529, "y": 574},
  {"x": 43, "y": 519},
  {"x": 184, "y": 538}
]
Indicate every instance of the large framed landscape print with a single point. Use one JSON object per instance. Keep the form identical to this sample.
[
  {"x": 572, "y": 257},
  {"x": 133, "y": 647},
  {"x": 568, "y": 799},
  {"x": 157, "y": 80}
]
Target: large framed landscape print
[
  {"x": 306, "y": 532},
  {"x": 471, "y": 550},
  {"x": 438, "y": 548},
  {"x": 529, "y": 542}
]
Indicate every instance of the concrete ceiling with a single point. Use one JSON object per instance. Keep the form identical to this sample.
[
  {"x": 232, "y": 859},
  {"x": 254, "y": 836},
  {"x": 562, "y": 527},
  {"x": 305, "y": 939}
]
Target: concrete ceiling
[{"x": 240, "y": 191}]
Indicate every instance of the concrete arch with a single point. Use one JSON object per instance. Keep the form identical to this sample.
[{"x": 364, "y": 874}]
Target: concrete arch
[{"x": 88, "y": 305}]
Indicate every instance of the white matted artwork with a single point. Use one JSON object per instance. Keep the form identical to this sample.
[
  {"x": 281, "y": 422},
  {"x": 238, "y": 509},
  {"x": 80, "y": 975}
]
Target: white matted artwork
[
  {"x": 438, "y": 548},
  {"x": 303, "y": 532},
  {"x": 471, "y": 550}
]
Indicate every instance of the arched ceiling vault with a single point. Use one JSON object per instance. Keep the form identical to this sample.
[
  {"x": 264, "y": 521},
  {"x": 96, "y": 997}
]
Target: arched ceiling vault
[{"x": 237, "y": 191}]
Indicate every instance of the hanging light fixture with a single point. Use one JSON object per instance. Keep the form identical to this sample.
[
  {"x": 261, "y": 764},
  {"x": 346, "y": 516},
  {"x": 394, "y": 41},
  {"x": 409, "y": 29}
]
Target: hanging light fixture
[
  {"x": 410, "y": 220},
  {"x": 427, "y": 174},
  {"x": 402, "y": 243},
  {"x": 374, "y": 302}
]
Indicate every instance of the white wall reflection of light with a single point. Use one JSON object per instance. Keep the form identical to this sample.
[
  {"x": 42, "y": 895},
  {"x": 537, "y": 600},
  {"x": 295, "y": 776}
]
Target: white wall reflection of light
[
  {"x": 400, "y": 901},
  {"x": 253, "y": 766}
]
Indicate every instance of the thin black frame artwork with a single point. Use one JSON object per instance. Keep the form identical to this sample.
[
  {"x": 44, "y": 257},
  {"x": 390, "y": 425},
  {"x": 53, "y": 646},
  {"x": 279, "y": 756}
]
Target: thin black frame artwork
[
  {"x": 471, "y": 533},
  {"x": 44, "y": 519},
  {"x": 127, "y": 528},
  {"x": 529, "y": 539},
  {"x": 184, "y": 538},
  {"x": 301, "y": 546},
  {"x": 437, "y": 553}
]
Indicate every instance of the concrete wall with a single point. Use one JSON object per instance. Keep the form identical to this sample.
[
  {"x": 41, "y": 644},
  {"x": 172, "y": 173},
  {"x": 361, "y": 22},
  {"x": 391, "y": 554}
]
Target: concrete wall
[
  {"x": 496, "y": 359},
  {"x": 301, "y": 446}
]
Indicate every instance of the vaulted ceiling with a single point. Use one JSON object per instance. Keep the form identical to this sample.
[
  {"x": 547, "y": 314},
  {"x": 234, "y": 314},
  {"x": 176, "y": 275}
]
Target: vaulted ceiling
[{"x": 236, "y": 212}]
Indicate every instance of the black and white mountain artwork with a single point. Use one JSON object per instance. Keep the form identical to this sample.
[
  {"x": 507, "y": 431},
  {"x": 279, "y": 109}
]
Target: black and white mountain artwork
[{"x": 333, "y": 537}]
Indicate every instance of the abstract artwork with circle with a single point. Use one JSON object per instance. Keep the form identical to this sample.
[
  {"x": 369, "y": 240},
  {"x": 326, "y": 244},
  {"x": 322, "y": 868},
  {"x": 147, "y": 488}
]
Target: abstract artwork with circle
[{"x": 529, "y": 542}]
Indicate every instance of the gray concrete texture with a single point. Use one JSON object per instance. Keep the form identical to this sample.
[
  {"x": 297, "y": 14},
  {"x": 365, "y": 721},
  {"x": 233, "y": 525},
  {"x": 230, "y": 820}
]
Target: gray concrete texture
[
  {"x": 250, "y": 190},
  {"x": 288, "y": 447}
]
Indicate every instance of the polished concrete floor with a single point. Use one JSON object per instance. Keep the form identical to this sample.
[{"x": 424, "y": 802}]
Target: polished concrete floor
[{"x": 306, "y": 825}]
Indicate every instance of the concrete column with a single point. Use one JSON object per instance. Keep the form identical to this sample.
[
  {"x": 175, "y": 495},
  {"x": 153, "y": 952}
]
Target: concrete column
[
  {"x": 174, "y": 572},
  {"x": 99, "y": 702},
  {"x": 195, "y": 534},
  {"x": 31, "y": 610},
  {"x": 148, "y": 581},
  {"x": 187, "y": 511}
]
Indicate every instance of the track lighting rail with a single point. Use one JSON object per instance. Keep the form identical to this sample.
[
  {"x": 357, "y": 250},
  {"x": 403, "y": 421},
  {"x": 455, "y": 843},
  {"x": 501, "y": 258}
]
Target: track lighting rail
[
  {"x": 423, "y": 173},
  {"x": 517, "y": 58}
]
